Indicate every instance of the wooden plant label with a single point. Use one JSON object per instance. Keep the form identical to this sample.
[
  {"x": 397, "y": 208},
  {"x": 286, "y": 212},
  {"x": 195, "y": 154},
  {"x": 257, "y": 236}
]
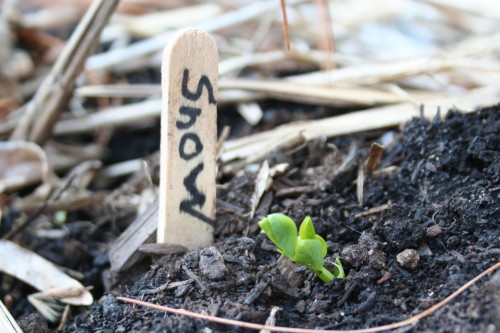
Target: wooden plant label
[{"x": 188, "y": 140}]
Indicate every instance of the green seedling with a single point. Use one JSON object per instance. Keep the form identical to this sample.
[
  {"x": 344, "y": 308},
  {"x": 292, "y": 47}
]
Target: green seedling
[{"x": 306, "y": 249}]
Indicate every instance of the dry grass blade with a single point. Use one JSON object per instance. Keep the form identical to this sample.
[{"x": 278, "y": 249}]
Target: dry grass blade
[
  {"x": 89, "y": 90},
  {"x": 41, "y": 274},
  {"x": 116, "y": 116},
  {"x": 44, "y": 109},
  {"x": 396, "y": 70},
  {"x": 285, "y": 24},
  {"x": 318, "y": 95},
  {"x": 237, "y": 63},
  {"x": 262, "y": 183},
  {"x": 280, "y": 89},
  {"x": 50, "y": 308},
  {"x": 119, "y": 90},
  {"x": 7, "y": 323},
  {"x": 151, "y": 24},
  {"x": 271, "y": 320},
  {"x": 382, "y": 117},
  {"x": 23, "y": 164},
  {"x": 156, "y": 43},
  {"x": 487, "y": 8},
  {"x": 326, "y": 39}
]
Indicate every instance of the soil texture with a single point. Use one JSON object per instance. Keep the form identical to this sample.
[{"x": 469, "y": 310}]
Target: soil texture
[{"x": 428, "y": 223}]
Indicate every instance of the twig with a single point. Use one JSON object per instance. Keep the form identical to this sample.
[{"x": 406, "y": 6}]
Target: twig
[
  {"x": 285, "y": 24},
  {"x": 407, "y": 322}
]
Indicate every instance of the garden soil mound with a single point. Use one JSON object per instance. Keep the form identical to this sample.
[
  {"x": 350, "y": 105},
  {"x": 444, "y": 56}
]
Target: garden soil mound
[{"x": 436, "y": 192}]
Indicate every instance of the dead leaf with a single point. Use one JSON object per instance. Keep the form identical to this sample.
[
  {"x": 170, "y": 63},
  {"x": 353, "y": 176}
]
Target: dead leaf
[
  {"x": 7, "y": 323},
  {"x": 42, "y": 275},
  {"x": 22, "y": 164}
]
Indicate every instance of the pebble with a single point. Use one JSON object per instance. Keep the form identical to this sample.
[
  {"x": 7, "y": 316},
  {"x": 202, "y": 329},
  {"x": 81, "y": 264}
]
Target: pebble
[
  {"x": 212, "y": 263},
  {"x": 409, "y": 258},
  {"x": 301, "y": 306},
  {"x": 434, "y": 231},
  {"x": 453, "y": 242}
]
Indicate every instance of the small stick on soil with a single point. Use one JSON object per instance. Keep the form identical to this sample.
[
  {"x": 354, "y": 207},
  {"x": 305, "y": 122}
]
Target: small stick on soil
[
  {"x": 188, "y": 140},
  {"x": 256, "y": 292},
  {"x": 372, "y": 162},
  {"x": 374, "y": 156},
  {"x": 372, "y": 211},
  {"x": 262, "y": 184},
  {"x": 124, "y": 253},
  {"x": 271, "y": 320},
  {"x": 162, "y": 249},
  {"x": 409, "y": 321},
  {"x": 291, "y": 191},
  {"x": 195, "y": 278},
  {"x": 285, "y": 24}
]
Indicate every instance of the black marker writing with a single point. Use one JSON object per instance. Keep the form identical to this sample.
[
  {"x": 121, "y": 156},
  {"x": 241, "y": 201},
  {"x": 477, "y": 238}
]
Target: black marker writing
[
  {"x": 197, "y": 198},
  {"x": 204, "y": 81},
  {"x": 192, "y": 113},
  {"x": 198, "y": 146}
]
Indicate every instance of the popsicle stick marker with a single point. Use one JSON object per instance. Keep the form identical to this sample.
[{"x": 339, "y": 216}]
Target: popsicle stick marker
[{"x": 188, "y": 140}]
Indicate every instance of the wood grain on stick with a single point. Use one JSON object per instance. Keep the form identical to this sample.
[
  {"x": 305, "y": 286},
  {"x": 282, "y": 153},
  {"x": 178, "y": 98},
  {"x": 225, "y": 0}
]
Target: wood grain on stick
[{"x": 188, "y": 140}]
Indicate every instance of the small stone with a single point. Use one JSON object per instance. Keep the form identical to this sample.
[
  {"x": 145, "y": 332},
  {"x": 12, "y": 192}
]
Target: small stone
[
  {"x": 319, "y": 296},
  {"x": 191, "y": 260},
  {"x": 212, "y": 263},
  {"x": 377, "y": 259},
  {"x": 434, "y": 231},
  {"x": 318, "y": 306},
  {"x": 354, "y": 255},
  {"x": 408, "y": 258},
  {"x": 301, "y": 306},
  {"x": 31, "y": 323},
  {"x": 183, "y": 290},
  {"x": 423, "y": 249},
  {"x": 453, "y": 242}
]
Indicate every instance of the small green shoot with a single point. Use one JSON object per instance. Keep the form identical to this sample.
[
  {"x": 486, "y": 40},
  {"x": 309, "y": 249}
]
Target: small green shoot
[{"x": 306, "y": 249}]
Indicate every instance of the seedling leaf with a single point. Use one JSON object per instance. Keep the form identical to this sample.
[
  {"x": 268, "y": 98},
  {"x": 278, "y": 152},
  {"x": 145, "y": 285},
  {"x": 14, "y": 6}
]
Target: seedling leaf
[
  {"x": 282, "y": 231},
  {"x": 306, "y": 249},
  {"x": 306, "y": 230},
  {"x": 324, "y": 248},
  {"x": 309, "y": 254},
  {"x": 338, "y": 270}
]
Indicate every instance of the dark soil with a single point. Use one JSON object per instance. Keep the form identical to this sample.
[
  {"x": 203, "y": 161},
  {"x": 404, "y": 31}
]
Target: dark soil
[{"x": 437, "y": 192}]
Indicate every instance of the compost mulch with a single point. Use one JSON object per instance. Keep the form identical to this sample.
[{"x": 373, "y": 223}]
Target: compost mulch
[{"x": 436, "y": 191}]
